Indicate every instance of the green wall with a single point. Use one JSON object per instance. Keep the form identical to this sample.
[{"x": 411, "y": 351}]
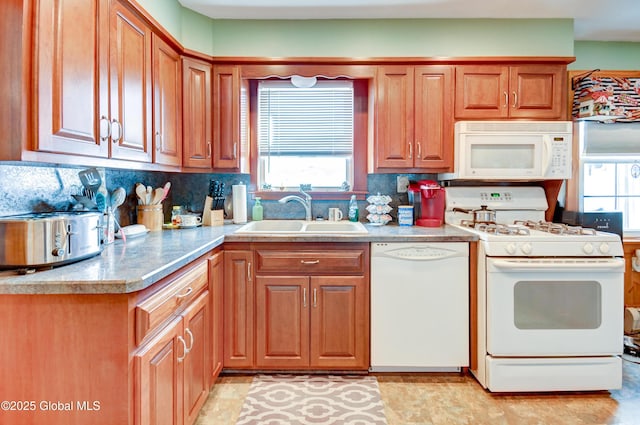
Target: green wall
[
  {"x": 393, "y": 37},
  {"x": 606, "y": 55}
]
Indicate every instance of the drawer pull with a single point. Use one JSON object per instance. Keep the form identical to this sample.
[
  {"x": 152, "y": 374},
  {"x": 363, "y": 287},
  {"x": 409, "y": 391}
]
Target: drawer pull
[
  {"x": 188, "y": 331},
  {"x": 309, "y": 261},
  {"x": 184, "y": 347},
  {"x": 186, "y": 293}
]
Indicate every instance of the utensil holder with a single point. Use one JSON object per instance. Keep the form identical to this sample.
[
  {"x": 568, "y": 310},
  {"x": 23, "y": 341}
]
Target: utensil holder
[{"x": 151, "y": 216}]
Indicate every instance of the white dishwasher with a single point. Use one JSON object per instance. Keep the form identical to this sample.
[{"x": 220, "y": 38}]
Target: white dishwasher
[{"x": 419, "y": 306}]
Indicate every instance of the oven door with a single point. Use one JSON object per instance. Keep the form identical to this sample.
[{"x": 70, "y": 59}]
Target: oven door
[{"x": 554, "y": 306}]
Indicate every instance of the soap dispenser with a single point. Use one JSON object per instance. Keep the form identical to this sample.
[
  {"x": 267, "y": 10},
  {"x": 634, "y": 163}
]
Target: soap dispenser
[
  {"x": 353, "y": 209},
  {"x": 257, "y": 212}
]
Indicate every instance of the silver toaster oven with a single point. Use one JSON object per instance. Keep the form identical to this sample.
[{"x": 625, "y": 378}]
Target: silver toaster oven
[{"x": 49, "y": 239}]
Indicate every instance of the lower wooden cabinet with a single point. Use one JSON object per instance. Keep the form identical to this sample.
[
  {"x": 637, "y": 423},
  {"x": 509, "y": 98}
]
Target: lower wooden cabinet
[
  {"x": 297, "y": 306},
  {"x": 140, "y": 358},
  {"x": 318, "y": 322}
]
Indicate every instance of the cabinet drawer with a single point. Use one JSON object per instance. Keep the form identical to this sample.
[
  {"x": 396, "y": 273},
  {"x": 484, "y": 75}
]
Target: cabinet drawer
[
  {"x": 310, "y": 262},
  {"x": 169, "y": 300}
]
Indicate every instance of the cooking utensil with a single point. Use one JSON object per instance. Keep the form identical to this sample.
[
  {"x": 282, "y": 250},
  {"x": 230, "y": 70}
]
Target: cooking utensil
[
  {"x": 166, "y": 188},
  {"x": 149, "y": 194},
  {"x": 85, "y": 201},
  {"x": 141, "y": 192},
  {"x": 101, "y": 202},
  {"x": 117, "y": 198},
  {"x": 90, "y": 179},
  {"x": 482, "y": 215},
  {"x": 158, "y": 196}
]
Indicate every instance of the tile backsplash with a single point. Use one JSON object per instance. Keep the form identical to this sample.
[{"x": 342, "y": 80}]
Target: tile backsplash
[{"x": 27, "y": 187}]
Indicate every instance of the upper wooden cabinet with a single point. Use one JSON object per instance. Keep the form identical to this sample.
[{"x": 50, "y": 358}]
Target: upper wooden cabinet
[
  {"x": 230, "y": 114},
  {"x": 71, "y": 70},
  {"x": 130, "y": 80},
  {"x": 167, "y": 104},
  {"x": 518, "y": 91},
  {"x": 196, "y": 114},
  {"x": 414, "y": 119}
]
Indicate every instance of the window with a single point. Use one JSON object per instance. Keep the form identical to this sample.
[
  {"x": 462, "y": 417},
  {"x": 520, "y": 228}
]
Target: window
[
  {"x": 305, "y": 135},
  {"x": 610, "y": 170}
]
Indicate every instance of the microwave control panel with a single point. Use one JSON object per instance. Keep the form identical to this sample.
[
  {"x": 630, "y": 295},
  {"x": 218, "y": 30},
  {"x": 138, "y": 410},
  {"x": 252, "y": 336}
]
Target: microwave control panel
[{"x": 560, "y": 160}]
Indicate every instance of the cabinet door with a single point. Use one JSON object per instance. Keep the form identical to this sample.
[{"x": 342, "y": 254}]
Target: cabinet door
[
  {"x": 130, "y": 56},
  {"x": 482, "y": 91},
  {"x": 538, "y": 91},
  {"x": 71, "y": 51},
  {"x": 197, "y": 141},
  {"x": 282, "y": 322},
  {"x": 196, "y": 366},
  {"x": 226, "y": 117},
  {"x": 159, "y": 376},
  {"x": 394, "y": 117},
  {"x": 167, "y": 104},
  {"x": 339, "y": 322},
  {"x": 238, "y": 310},
  {"x": 433, "y": 117},
  {"x": 216, "y": 273}
]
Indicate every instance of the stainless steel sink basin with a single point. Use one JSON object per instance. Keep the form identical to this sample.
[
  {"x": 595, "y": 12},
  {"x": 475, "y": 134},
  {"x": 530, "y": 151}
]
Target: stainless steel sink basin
[{"x": 300, "y": 227}]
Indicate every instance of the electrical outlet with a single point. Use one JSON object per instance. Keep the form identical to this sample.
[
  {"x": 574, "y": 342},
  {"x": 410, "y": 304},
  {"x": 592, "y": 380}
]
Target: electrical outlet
[{"x": 402, "y": 184}]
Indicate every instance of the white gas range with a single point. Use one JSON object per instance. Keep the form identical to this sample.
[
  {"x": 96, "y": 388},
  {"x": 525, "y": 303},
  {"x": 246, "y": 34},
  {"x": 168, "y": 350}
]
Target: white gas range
[{"x": 549, "y": 297}]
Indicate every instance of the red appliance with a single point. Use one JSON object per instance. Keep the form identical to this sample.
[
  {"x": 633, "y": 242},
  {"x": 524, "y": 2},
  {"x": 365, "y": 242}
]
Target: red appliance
[{"x": 427, "y": 198}]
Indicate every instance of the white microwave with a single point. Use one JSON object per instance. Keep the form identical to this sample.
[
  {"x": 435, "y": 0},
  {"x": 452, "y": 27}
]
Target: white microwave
[{"x": 512, "y": 150}]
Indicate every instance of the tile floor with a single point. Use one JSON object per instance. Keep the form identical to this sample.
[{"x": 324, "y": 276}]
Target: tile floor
[{"x": 456, "y": 399}]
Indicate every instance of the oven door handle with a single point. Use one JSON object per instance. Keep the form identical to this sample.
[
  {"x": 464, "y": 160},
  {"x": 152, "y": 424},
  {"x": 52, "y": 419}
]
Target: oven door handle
[{"x": 560, "y": 264}]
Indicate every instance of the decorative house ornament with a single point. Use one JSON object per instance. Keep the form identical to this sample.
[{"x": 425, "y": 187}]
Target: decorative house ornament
[{"x": 606, "y": 97}]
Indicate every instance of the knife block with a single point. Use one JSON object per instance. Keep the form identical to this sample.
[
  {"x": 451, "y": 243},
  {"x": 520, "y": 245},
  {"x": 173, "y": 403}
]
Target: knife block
[{"x": 211, "y": 217}]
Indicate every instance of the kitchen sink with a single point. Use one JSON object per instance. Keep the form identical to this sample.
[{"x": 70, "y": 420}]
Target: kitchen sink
[{"x": 300, "y": 227}]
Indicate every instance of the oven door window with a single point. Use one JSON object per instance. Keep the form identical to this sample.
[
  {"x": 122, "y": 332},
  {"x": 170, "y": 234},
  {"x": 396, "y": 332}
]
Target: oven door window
[{"x": 557, "y": 305}]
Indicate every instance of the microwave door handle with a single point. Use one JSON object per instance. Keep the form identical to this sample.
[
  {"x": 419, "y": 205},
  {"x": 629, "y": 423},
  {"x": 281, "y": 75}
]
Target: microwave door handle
[{"x": 546, "y": 154}]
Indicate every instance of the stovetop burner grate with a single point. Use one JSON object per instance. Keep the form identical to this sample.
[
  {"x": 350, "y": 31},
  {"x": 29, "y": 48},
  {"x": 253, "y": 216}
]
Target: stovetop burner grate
[{"x": 555, "y": 228}]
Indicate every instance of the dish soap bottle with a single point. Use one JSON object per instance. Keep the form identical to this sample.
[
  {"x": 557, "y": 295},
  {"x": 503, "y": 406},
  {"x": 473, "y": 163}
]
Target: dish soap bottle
[
  {"x": 257, "y": 211},
  {"x": 353, "y": 209}
]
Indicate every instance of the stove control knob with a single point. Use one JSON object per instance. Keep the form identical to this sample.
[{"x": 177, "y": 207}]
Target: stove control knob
[
  {"x": 526, "y": 248},
  {"x": 511, "y": 248},
  {"x": 587, "y": 248},
  {"x": 57, "y": 252},
  {"x": 604, "y": 248}
]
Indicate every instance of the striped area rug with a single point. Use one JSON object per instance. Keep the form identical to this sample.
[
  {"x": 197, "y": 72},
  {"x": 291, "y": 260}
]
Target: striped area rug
[{"x": 313, "y": 399}]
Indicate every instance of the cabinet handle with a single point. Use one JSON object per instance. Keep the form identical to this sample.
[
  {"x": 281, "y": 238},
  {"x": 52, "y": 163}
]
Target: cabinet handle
[
  {"x": 235, "y": 149},
  {"x": 103, "y": 119},
  {"x": 515, "y": 99},
  {"x": 410, "y": 151},
  {"x": 116, "y": 122},
  {"x": 304, "y": 297},
  {"x": 309, "y": 261},
  {"x": 158, "y": 141},
  {"x": 208, "y": 149},
  {"x": 185, "y": 294},
  {"x": 419, "y": 151},
  {"x": 506, "y": 99},
  {"x": 184, "y": 349},
  {"x": 188, "y": 331},
  {"x": 315, "y": 297},
  {"x": 249, "y": 271}
]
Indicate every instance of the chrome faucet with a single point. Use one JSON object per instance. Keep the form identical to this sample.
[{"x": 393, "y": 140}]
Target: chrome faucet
[{"x": 306, "y": 202}]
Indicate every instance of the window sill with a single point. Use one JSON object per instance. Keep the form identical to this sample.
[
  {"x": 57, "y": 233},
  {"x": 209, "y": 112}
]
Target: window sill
[{"x": 274, "y": 195}]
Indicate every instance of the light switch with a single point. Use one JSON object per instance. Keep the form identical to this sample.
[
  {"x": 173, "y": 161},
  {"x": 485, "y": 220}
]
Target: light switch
[{"x": 402, "y": 184}]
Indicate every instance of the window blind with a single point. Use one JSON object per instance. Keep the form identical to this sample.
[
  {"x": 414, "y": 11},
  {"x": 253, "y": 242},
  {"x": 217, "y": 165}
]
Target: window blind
[{"x": 305, "y": 121}]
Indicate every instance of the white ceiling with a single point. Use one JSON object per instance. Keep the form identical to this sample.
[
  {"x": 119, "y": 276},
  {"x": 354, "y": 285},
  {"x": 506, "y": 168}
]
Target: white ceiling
[{"x": 595, "y": 20}]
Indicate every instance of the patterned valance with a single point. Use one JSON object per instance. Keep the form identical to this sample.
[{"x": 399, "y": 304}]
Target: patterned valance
[{"x": 606, "y": 96}]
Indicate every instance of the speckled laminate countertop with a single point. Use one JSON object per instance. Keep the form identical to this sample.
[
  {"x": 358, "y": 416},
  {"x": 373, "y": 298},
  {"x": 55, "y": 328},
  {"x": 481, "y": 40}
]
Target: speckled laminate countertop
[{"x": 142, "y": 261}]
